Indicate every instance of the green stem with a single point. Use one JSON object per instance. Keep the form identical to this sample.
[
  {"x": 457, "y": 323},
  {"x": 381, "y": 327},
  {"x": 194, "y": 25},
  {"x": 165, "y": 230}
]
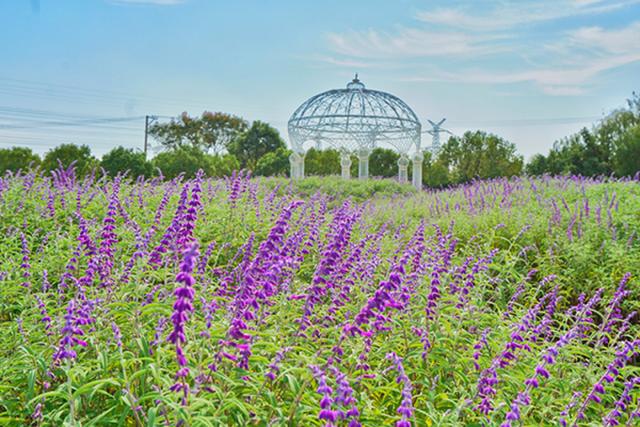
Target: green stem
[
  {"x": 297, "y": 402},
  {"x": 129, "y": 392},
  {"x": 70, "y": 392}
]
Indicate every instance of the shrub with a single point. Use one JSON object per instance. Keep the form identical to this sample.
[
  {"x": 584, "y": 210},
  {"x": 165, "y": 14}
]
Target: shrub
[
  {"x": 186, "y": 159},
  {"x": 122, "y": 160},
  {"x": 65, "y": 154},
  {"x": 16, "y": 158}
]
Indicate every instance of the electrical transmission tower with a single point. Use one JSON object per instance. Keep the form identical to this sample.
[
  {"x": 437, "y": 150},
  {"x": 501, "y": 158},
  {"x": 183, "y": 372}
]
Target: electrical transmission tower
[{"x": 436, "y": 130}]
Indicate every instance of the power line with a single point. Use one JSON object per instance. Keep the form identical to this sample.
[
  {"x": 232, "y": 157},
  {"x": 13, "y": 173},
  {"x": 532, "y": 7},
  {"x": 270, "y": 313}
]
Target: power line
[
  {"x": 526, "y": 122},
  {"x": 80, "y": 122},
  {"x": 35, "y": 120},
  {"x": 46, "y": 141},
  {"x": 30, "y": 89},
  {"x": 102, "y": 129},
  {"x": 84, "y": 92},
  {"x": 31, "y": 112}
]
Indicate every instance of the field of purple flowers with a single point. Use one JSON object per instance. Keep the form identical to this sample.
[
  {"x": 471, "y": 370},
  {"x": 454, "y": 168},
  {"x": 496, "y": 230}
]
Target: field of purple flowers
[{"x": 269, "y": 303}]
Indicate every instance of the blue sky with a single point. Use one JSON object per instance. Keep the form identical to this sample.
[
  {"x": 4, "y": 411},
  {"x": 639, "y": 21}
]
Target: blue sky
[{"x": 85, "y": 71}]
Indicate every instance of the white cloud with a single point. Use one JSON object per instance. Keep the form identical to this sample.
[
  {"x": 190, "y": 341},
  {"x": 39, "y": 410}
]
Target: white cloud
[
  {"x": 551, "y": 80},
  {"x": 412, "y": 42},
  {"x": 583, "y": 3},
  {"x": 618, "y": 41},
  {"x": 344, "y": 62},
  {"x": 567, "y": 66},
  {"x": 476, "y": 34},
  {"x": 511, "y": 15},
  {"x": 563, "y": 90}
]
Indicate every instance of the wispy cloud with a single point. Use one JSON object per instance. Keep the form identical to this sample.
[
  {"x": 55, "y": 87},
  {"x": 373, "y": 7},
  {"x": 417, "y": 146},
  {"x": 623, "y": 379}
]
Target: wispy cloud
[
  {"x": 344, "y": 62},
  {"x": 563, "y": 79},
  {"x": 465, "y": 33},
  {"x": 412, "y": 42},
  {"x": 510, "y": 15},
  {"x": 452, "y": 42},
  {"x": 613, "y": 41}
]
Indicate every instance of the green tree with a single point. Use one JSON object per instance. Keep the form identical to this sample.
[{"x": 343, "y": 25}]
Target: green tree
[
  {"x": 606, "y": 148},
  {"x": 257, "y": 141},
  {"x": 383, "y": 162},
  {"x": 322, "y": 162},
  {"x": 480, "y": 155},
  {"x": 211, "y": 132},
  {"x": 274, "y": 163},
  {"x": 122, "y": 159},
  {"x": 435, "y": 173},
  {"x": 220, "y": 129},
  {"x": 185, "y": 159},
  {"x": 65, "y": 154},
  {"x": 537, "y": 165},
  {"x": 17, "y": 158},
  {"x": 223, "y": 164},
  {"x": 627, "y": 157}
]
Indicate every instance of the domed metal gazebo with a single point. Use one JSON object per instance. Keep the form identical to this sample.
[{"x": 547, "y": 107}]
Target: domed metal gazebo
[{"x": 356, "y": 120}]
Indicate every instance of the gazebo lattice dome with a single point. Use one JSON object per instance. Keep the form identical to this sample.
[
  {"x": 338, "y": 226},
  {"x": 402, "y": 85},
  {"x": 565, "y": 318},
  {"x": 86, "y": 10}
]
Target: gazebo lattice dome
[{"x": 355, "y": 120}]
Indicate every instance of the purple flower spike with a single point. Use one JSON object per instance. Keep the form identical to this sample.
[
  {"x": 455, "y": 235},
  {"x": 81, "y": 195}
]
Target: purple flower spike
[
  {"x": 406, "y": 406},
  {"x": 582, "y": 323},
  {"x": 181, "y": 309},
  {"x": 70, "y": 333}
]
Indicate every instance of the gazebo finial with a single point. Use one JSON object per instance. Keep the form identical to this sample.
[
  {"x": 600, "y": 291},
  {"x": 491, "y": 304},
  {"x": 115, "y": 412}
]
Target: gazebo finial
[{"x": 355, "y": 84}]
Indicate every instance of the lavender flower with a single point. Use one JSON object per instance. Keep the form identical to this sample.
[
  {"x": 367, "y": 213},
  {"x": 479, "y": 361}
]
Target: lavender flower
[
  {"x": 155, "y": 258},
  {"x": 613, "y": 309},
  {"x": 519, "y": 291},
  {"x": 481, "y": 344},
  {"x": 117, "y": 336},
  {"x": 274, "y": 367},
  {"x": 108, "y": 238},
  {"x": 406, "y": 406},
  {"x": 25, "y": 266},
  {"x": 565, "y": 412},
  {"x": 181, "y": 309},
  {"x": 621, "y": 405},
  {"x": 582, "y": 322},
  {"x": 70, "y": 333},
  {"x": 343, "y": 223},
  {"x": 157, "y": 337},
  {"x": 258, "y": 285},
  {"x": 326, "y": 413},
  {"x": 45, "y": 316},
  {"x": 187, "y": 225},
  {"x": 628, "y": 350}
]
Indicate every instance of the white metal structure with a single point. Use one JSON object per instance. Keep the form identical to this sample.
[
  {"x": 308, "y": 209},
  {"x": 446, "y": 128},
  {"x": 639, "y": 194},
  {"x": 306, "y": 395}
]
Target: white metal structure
[
  {"x": 355, "y": 120},
  {"x": 436, "y": 130}
]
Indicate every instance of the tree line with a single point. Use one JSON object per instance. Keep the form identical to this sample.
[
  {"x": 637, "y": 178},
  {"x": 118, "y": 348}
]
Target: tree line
[
  {"x": 219, "y": 143},
  {"x": 611, "y": 147}
]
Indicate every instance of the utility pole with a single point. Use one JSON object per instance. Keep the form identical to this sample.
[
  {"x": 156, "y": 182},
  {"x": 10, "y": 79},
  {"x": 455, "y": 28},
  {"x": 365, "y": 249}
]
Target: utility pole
[{"x": 147, "y": 121}]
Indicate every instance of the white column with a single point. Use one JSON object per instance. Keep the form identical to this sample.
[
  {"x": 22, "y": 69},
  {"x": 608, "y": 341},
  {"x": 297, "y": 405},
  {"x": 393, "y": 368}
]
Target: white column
[
  {"x": 301, "y": 166},
  {"x": 403, "y": 169},
  {"x": 345, "y": 163},
  {"x": 294, "y": 161},
  {"x": 417, "y": 170},
  {"x": 363, "y": 163},
  {"x": 293, "y": 166}
]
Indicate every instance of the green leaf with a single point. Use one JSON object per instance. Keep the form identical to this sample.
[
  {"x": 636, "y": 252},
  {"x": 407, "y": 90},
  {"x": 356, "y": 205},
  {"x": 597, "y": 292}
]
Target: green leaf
[{"x": 94, "y": 386}]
